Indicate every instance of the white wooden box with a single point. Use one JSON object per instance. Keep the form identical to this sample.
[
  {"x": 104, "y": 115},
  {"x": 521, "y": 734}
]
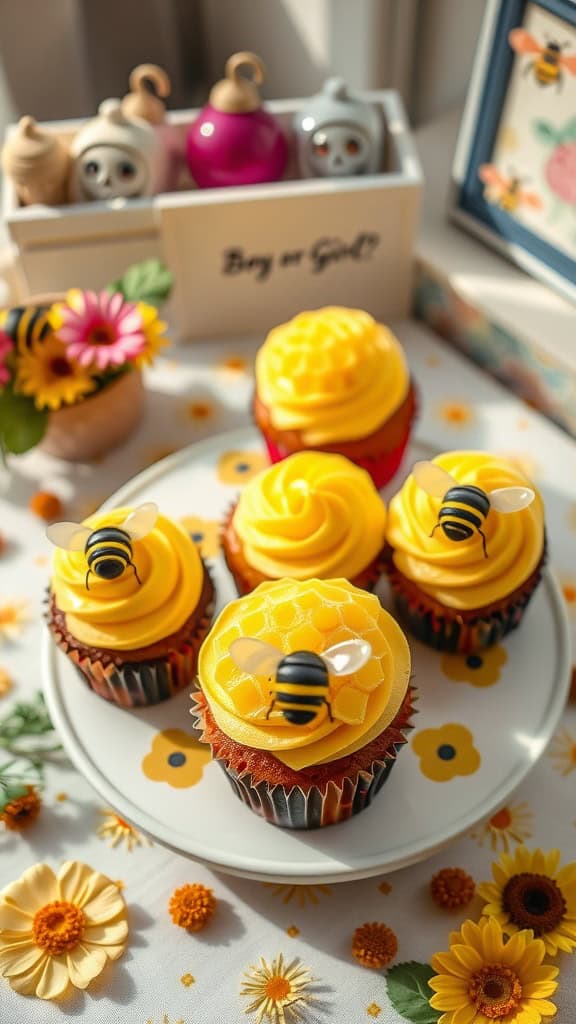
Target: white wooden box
[{"x": 243, "y": 258}]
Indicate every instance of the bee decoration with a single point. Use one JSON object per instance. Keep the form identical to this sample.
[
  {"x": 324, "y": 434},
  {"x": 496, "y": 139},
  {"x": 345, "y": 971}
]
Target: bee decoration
[
  {"x": 506, "y": 192},
  {"x": 25, "y": 325},
  {"x": 300, "y": 681},
  {"x": 464, "y": 506},
  {"x": 549, "y": 62},
  {"x": 108, "y": 549}
]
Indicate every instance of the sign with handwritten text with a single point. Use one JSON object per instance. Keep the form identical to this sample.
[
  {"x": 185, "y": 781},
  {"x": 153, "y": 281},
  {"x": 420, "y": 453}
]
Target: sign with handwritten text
[{"x": 325, "y": 252}]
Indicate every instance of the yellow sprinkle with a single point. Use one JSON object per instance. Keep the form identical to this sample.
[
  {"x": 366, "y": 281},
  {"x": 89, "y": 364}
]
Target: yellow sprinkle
[
  {"x": 374, "y": 1010},
  {"x": 187, "y": 979},
  {"x": 292, "y": 931},
  {"x": 61, "y": 797}
]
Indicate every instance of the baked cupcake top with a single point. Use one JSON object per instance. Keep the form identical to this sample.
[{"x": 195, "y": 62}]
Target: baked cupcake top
[
  {"x": 333, "y": 374},
  {"x": 311, "y": 515},
  {"x": 458, "y": 574},
  {"x": 131, "y": 611},
  {"x": 313, "y": 616}
]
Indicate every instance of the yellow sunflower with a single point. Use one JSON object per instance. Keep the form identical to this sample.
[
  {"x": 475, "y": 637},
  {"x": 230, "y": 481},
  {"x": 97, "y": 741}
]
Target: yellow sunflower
[
  {"x": 48, "y": 374},
  {"x": 153, "y": 329},
  {"x": 484, "y": 977},
  {"x": 531, "y": 891},
  {"x": 59, "y": 930}
]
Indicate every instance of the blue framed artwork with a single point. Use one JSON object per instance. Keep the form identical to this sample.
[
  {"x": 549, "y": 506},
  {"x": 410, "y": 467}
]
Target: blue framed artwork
[{"x": 514, "y": 175}]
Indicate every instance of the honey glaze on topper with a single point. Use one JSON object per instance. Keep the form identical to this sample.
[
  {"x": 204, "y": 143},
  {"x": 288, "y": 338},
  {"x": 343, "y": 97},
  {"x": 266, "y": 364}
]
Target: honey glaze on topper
[
  {"x": 465, "y": 506},
  {"x": 108, "y": 549},
  {"x": 300, "y": 680}
]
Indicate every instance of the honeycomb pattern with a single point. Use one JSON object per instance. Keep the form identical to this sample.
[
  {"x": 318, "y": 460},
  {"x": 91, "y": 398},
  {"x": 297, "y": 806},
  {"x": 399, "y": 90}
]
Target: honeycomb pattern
[{"x": 293, "y": 615}]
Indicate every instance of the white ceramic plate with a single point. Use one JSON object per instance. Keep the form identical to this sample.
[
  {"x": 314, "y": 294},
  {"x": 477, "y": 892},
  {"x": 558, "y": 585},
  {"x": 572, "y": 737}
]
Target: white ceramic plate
[{"x": 511, "y": 723}]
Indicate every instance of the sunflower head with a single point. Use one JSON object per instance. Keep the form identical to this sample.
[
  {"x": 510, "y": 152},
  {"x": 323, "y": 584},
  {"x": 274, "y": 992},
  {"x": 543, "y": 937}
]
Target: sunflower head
[
  {"x": 486, "y": 977},
  {"x": 47, "y": 373},
  {"x": 530, "y": 890}
]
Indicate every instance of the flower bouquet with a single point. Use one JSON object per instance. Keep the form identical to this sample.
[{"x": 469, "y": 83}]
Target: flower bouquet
[{"x": 70, "y": 366}]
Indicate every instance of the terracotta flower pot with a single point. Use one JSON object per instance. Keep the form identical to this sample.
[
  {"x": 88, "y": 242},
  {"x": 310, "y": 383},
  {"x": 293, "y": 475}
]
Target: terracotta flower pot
[{"x": 97, "y": 424}]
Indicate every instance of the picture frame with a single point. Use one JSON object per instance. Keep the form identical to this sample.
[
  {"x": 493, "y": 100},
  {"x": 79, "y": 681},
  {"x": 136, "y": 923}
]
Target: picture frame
[{"x": 514, "y": 172}]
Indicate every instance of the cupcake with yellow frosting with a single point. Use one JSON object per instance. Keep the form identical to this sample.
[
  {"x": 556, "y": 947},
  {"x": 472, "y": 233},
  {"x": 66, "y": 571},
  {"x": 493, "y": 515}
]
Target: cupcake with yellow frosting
[
  {"x": 130, "y": 602},
  {"x": 305, "y": 699},
  {"x": 467, "y": 547},
  {"x": 334, "y": 380},
  {"x": 314, "y": 515}
]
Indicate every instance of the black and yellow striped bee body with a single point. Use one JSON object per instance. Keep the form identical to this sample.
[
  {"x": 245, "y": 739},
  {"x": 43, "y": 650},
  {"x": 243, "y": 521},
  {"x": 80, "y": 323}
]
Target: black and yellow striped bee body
[
  {"x": 25, "y": 325},
  {"x": 108, "y": 553},
  {"x": 462, "y": 513},
  {"x": 547, "y": 67},
  {"x": 301, "y": 687}
]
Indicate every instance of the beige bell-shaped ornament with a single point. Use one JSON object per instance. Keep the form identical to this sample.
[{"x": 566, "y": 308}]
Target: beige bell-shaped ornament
[{"x": 38, "y": 163}]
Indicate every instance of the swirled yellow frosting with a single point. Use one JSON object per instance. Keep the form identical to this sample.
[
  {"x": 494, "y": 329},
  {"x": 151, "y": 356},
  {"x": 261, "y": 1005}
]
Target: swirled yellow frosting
[
  {"x": 311, "y": 515},
  {"x": 456, "y": 573},
  {"x": 333, "y": 374},
  {"x": 123, "y": 614},
  {"x": 310, "y": 615}
]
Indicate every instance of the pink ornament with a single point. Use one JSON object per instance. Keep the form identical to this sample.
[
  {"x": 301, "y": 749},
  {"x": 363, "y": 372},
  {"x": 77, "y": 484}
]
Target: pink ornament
[{"x": 234, "y": 141}]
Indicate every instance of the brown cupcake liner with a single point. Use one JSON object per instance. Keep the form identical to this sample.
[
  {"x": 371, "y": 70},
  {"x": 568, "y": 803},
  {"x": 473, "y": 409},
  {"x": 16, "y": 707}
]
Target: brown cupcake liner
[
  {"x": 131, "y": 684},
  {"x": 449, "y": 631},
  {"x": 315, "y": 806},
  {"x": 247, "y": 578}
]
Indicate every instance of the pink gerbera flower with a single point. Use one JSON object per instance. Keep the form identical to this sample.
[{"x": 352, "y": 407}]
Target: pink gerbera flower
[
  {"x": 6, "y": 346},
  {"x": 101, "y": 330}
]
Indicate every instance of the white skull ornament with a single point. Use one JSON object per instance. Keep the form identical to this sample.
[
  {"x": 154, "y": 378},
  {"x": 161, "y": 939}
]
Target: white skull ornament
[{"x": 114, "y": 157}]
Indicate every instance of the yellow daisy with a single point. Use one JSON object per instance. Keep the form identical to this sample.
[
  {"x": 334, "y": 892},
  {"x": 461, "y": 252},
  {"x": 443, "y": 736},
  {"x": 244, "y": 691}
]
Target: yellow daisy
[
  {"x": 301, "y": 894},
  {"x": 562, "y": 752},
  {"x": 280, "y": 991},
  {"x": 530, "y": 890},
  {"x": 153, "y": 329},
  {"x": 13, "y": 616},
  {"x": 59, "y": 930},
  {"x": 511, "y": 823},
  {"x": 118, "y": 830},
  {"x": 50, "y": 376},
  {"x": 205, "y": 533},
  {"x": 483, "y": 977}
]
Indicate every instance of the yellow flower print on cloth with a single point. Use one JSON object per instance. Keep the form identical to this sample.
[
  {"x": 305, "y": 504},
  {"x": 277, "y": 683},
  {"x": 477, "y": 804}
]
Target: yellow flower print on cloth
[
  {"x": 205, "y": 533},
  {"x": 511, "y": 824},
  {"x": 177, "y": 758},
  {"x": 446, "y": 752},
  {"x": 236, "y": 467},
  {"x": 483, "y": 669},
  {"x": 57, "y": 931}
]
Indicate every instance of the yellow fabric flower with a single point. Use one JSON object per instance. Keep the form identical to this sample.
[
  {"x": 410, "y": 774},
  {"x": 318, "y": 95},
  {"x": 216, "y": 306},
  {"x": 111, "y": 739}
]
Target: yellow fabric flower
[
  {"x": 446, "y": 752},
  {"x": 153, "y": 329},
  {"x": 280, "y": 991},
  {"x": 205, "y": 533},
  {"x": 50, "y": 376},
  {"x": 510, "y": 824},
  {"x": 176, "y": 758},
  {"x": 484, "y": 978},
  {"x": 57, "y": 931},
  {"x": 237, "y": 467},
  {"x": 530, "y": 890},
  {"x": 477, "y": 669}
]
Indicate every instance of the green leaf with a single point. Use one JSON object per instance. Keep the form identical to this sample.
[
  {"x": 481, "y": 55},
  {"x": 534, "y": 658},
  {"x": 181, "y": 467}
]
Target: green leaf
[
  {"x": 546, "y": 133},
  {"x": 568, "y": 133},
  {"x": 409, "y": 992},
  {"x": 149, "y": 281},
  {"x": 22, "y": 425},
  {"x": 10, "y": 791}
]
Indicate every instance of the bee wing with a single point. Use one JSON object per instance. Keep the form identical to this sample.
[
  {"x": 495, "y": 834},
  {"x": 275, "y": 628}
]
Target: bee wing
[
  {"x": 490, "y": 175},
  {"x": 432, "y": 479},
  {"x": 255, "y": 656},
  {"x": 141, "y": 520},
  {"x": 569, "y": 62},
  {"x": 348, "y": 657},
  {"x": 522, "y": 42},
  {"x": 511, "y": 499},
  {"x": 70, "y": 536}
]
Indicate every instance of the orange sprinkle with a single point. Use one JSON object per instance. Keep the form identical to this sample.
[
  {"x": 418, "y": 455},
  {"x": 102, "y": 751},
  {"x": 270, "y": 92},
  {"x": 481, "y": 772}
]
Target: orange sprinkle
[
  {"x": 22, "y": 812},
  {"x": 200, "y": 410},
  {"x": 192, "y": 906},
  {"x": 292, "y": 931},
  {"x": 385, "y": 888},
  {"x": 373, "y": 1010},
  {"x": 61, "y": 797},
  {"x": 45, "y": 505},
  {"x": 2, "y": 544},
  {"x": 187, "y": 979},
  {"x": 569, "y": 591},
  {"x": 234, "y": 363},
  {"x": 452, "y": 887},
  {"x": 374, "y": 945}
]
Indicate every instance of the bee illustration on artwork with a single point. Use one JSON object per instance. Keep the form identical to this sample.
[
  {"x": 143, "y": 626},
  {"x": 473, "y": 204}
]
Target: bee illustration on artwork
[
  {"x": 506, "y": 192},
  {"x": 25, "y": 325},
  {"x": 464, "y": 506},
  {"x": 300, "y": 680},
  {"x": 549, "y": 62},
  {"x": 108, "y": 549}
]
